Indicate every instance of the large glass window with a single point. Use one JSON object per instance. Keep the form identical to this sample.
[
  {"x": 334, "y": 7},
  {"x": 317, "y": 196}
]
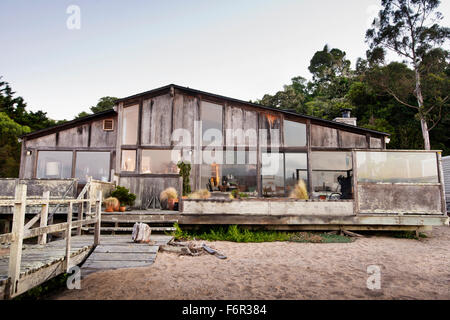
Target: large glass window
[
  {"x": 295, "y": 166},
  {"x": 211, "y": 117},
  {"x": 92, "y": 164},
  {"x": 160, "y": 161},
  {"x": 234, "y": 170},
  {"x": 272, "y": 172},
  {"x": 130, "y": 125},
  {"x": 397, "y": 167},
  {"x": 128, "y": 160},
  {"x": 294, "y": 134},
  {"x": 332, "y": 174},
  {"x": 54, "y": 165}
]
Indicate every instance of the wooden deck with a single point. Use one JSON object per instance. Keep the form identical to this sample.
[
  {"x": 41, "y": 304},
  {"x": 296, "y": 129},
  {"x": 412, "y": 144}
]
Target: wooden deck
[{"x": 115, "y": 252}]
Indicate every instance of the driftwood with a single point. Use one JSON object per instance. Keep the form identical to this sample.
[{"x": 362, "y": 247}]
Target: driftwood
[
  {"x": 190, "y": 248},
  {"x": 352, "y": 234}
]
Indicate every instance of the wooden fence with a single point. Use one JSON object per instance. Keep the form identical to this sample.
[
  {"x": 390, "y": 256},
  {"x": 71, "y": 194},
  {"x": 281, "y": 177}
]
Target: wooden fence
[{"x": 21, "y": 231}]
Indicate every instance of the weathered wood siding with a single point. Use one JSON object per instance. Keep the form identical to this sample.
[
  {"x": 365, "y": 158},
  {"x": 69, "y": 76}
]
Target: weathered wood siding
[
  {"x": 268, "y": 122},
  {"x": 44, "y": 141},
  {"x": 398, "y": 198},
  {"x": 101, "y": 138},
  {"x": 244, "y": 125},
  {"x": 36, "y": 187},
  {"x": 352, "y": 140},
  {"x": 74, "y": 137},
  {"x": 185, "y": 113},
  {"x": 375, "y": 143},
  {"x": 147, "y": 187},
  {"x": 157, "y": 121},
  {"x": 324, "y": 136}
]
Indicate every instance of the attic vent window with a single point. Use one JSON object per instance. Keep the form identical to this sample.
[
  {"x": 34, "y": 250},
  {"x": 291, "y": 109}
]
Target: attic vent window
[{"x": 108, "y": 125}]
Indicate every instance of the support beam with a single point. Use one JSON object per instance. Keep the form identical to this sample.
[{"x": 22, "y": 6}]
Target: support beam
[
  {"x": 15, "y": 256},
  {"x": 44, "y": 216}
]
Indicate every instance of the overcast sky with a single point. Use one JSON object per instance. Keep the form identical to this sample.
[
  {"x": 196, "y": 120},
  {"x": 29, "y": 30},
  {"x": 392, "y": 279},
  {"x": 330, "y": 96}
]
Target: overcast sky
[{"x": 241, "y": 49}]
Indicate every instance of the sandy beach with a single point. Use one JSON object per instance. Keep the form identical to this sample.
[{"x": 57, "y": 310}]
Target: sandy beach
[{"x": 410, "y": 269}]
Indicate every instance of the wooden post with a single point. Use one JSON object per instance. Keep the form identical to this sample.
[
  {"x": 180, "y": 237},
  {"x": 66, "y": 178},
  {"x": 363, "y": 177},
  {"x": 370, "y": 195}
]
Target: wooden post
[
  {"x": 15, "y": 255},
  {"x": 80, "y": 216},
  {"x": 98, "y": 208},
  {"x": 42, "y": 239},
  {"x": 69, "y": 235}
]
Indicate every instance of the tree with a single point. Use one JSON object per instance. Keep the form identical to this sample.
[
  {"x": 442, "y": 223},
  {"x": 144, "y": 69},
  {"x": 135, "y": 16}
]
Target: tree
[
  {"x": 103, "y": 104},
  {"x": 10, "y": 146},
  {"x": 410, "y": 28}
]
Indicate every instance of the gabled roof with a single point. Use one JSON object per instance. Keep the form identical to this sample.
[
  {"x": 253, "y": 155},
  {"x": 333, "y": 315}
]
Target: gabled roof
[
  {"x": 70, "y": 124},
  {"x": 167, "y": 88},
  {"x": 188, "y": 90}
]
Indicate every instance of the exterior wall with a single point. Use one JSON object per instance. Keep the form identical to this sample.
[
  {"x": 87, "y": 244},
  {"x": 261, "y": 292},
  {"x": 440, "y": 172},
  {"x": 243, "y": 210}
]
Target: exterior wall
[
  {"x": 281, "y": 207},
  {"x": 399, "y": 198},
  {"x": 146, "y": 187},
  {"x": 88, "y": 136},
  {"x": 35, "y": 188},
  {"x": 446, "y": 176}
]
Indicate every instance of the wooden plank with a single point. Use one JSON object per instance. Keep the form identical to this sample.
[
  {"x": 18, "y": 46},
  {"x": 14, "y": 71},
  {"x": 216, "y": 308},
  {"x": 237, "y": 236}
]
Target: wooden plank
[
  {"x": 98, "y": 216},
  {"x": 121, "y": 256},
  {"x": 44, "y": 216},
  {"x": 108, "y": 265},
  {"x": 17, "y": 238},
  {"x": 68, "y": 236}
]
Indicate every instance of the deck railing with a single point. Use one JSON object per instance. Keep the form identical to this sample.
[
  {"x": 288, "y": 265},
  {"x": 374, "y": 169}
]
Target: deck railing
[{"x": 22, "y": 231}]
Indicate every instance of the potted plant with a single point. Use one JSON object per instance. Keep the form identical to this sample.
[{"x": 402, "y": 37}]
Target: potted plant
[
  {"x": 111, "y": 204},
  {"x": 170, "y": 195},
  {"x": 125, "y": 197}
]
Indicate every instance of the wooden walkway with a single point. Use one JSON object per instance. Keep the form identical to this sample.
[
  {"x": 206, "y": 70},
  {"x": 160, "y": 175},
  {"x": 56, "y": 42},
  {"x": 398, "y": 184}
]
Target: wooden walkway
[
  {"x": 115, "y": 252},
  {"x": 43, "y": 262}
]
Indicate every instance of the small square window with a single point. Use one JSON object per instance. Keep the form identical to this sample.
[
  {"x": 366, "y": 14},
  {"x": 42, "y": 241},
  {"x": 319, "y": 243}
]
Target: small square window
[{"x": 108, "y": 125}]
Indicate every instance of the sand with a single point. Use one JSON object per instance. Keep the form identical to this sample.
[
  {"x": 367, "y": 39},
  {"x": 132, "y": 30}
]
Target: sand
[{"x": 410, "y": 269}]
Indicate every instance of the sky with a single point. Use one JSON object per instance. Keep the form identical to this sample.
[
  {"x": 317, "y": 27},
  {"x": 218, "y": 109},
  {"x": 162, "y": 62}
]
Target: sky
[{"x": 241, "y": 49}]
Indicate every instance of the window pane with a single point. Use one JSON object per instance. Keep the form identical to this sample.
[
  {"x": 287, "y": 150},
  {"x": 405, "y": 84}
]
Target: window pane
[
  {"x": 211, "y": 116},
  {"x": 397, "y": 167},
  {"x": 332, "y": 173},
  {"x": 272, "y": 172},
  {"x": 236, "y": 171},
  {"x": 295, "y": 169},
  {"x": 160, "y": 161},
  {"x": 294, "y": 134},
  {"x": 130, "y": 125},
  {"x": 92, "y": 164},
  {"x": 54, "y": 164},
  {"x": 128, "y": 160}
]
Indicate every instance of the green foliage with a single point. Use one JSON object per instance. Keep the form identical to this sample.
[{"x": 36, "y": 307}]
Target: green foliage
[
  {"x": 185, "y": 172},
  {"x": 236, "y": 234},
  {"x": 236, "y": 194},
  {"x": 43, "y": 290},
  {"x": 103, "y": 104},
  {"x": 124, "y": 196}
]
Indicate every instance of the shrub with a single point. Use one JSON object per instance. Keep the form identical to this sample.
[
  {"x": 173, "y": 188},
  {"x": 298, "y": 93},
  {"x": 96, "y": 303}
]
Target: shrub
[
  {"x": 200, "y": 194},
  {"x": 300, "y": 191},
  {"x": 125, "y": 197},
  {"x": 111, "y": 201},
  {"x": 169, "y": 193}
]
